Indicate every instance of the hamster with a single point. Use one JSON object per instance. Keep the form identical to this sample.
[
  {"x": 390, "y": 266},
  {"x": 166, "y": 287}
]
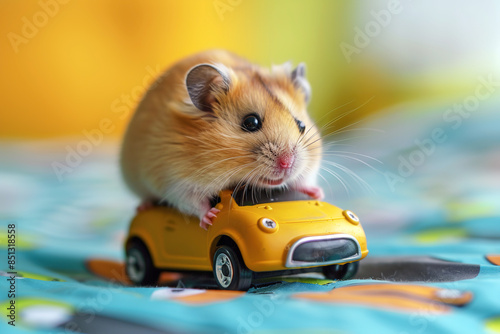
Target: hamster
[{"x": 215, "y": 121}]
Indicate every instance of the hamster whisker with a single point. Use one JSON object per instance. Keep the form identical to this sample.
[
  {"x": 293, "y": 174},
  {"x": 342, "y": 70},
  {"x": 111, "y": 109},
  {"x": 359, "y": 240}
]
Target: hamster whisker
[
  {"x": 336, "y": 141},
  {"x": 327, "y": 152},
  {"x": 358, "y": 160},
  {"x": 327, "y": 183},
  {"x": 243, "y": 180},
  {"x": 347, "y": 155},
  {"x": 326, "y": 137},
  {"x": 302, "y": 136},
  {"x": 327, "y": 125},
  {"x": 362, "y": 183},
  {"x": 227, "y": 175},
  {"x": 240, "y": 183},
  {"x": 338, "y": 132},
  {"x": 301, "y": 180},
  {"x": 334, "y": 109},
  {"x": 246, "y": 180},
  {"x": 251, "y": 179},
  {"x": 342, "y": 128},
  {"x": 253, "y": 194},
  {"x": 230, "y": 173},
  {"x": 318, "y": 129},
  {"x": 335, "y": 175},
  {"x": 215, "y": 163},
  {"x": 312, "y": 143}
]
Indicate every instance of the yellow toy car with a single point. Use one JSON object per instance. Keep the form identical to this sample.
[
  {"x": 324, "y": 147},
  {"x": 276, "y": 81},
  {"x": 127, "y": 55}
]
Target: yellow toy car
[{"x": 254, "y": 233}]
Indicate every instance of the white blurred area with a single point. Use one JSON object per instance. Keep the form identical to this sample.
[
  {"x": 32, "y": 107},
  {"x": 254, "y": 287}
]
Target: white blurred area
[{"x": 431, "y": 42}]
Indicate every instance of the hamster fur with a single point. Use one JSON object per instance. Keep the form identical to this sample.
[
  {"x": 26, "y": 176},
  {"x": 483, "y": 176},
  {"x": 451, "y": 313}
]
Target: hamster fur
[{"x": 215, "y": 121}]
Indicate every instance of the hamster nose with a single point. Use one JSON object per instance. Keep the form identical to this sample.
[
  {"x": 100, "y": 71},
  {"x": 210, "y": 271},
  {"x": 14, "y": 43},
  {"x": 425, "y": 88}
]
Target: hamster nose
[{"x": 285, "y": 161}]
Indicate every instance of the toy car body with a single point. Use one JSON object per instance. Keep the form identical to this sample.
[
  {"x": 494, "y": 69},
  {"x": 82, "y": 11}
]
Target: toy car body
[{"x": 282, "y": 231}]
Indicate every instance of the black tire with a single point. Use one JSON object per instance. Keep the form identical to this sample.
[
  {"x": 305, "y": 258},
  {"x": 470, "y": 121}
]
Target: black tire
[
  {"x": 341, "y": 271},
  {"x": 139, "y": 265},
  {"x": 230, "y": 271}
]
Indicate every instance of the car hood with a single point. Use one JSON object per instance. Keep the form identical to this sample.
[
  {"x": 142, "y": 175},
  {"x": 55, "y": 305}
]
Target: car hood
[{"x": 298, "y": 211}]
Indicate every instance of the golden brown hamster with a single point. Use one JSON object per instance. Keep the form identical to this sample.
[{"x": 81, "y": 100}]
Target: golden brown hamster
[{"x": 215, "y": 121}]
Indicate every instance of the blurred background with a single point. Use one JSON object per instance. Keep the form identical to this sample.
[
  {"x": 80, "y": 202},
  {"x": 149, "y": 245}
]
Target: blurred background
[
  {"x": 395, "y": 83},
  {"x": 68, "y": 64}
]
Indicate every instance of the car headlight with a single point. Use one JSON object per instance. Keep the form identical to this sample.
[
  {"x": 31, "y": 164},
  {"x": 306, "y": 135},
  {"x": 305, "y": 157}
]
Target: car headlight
[
  {"x": 268, "y": 225},
  {"x": 351, "y": 217}
]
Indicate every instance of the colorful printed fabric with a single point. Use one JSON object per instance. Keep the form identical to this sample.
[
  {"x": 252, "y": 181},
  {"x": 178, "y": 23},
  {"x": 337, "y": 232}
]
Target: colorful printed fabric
[{"x": 425, "y": 185}]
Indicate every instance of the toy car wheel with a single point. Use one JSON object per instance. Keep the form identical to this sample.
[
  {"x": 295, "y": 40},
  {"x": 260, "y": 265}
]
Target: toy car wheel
[
  {"x": 139, "y": 266},
  {"x": 230, "y": 271},
  {"x": 341, "y": 271}
]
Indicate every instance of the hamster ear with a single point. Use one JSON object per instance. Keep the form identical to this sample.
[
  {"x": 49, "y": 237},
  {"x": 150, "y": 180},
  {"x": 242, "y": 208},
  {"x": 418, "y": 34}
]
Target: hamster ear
[
  {"x": 299, "y": 80},
  {"x": 203, "y": 82}
]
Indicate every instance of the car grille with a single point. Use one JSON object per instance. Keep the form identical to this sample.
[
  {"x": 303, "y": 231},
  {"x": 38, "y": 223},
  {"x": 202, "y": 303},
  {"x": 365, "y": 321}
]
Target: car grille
[{"x": 321, "y": 251}]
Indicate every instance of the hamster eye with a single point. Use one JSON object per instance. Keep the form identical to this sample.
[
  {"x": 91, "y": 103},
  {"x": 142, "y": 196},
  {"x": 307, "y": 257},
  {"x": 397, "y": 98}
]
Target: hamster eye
[
  {"x": 301, "y": 125},
  {"x": 251, "y": 123}
]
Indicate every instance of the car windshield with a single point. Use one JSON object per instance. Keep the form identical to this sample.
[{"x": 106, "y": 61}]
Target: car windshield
[{"x": 245, "y": 196}]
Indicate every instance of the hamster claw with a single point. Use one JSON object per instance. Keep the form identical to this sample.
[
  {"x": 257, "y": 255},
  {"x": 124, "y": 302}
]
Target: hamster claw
[
  {"x": 208, "y": 218},
  {"x": 312, "y": 191}
]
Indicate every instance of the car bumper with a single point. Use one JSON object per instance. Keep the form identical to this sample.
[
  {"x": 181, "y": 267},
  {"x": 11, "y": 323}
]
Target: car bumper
[{"x": 325, "y": 243}]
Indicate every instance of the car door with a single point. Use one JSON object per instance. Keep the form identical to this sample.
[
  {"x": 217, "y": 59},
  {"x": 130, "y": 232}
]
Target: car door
[{"x": 185, "y": 243}]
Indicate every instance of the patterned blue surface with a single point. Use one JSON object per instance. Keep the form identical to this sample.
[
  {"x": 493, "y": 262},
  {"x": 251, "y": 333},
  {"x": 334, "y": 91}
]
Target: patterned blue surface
[{"x": 443, "y": 220}]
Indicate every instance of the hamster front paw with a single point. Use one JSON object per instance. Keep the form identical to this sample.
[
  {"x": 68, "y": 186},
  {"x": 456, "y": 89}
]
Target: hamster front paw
[
  {"x": 312, "y": 191},
  {"x": 145, "y": 205},
  {"x": 208, "y": 218}
]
